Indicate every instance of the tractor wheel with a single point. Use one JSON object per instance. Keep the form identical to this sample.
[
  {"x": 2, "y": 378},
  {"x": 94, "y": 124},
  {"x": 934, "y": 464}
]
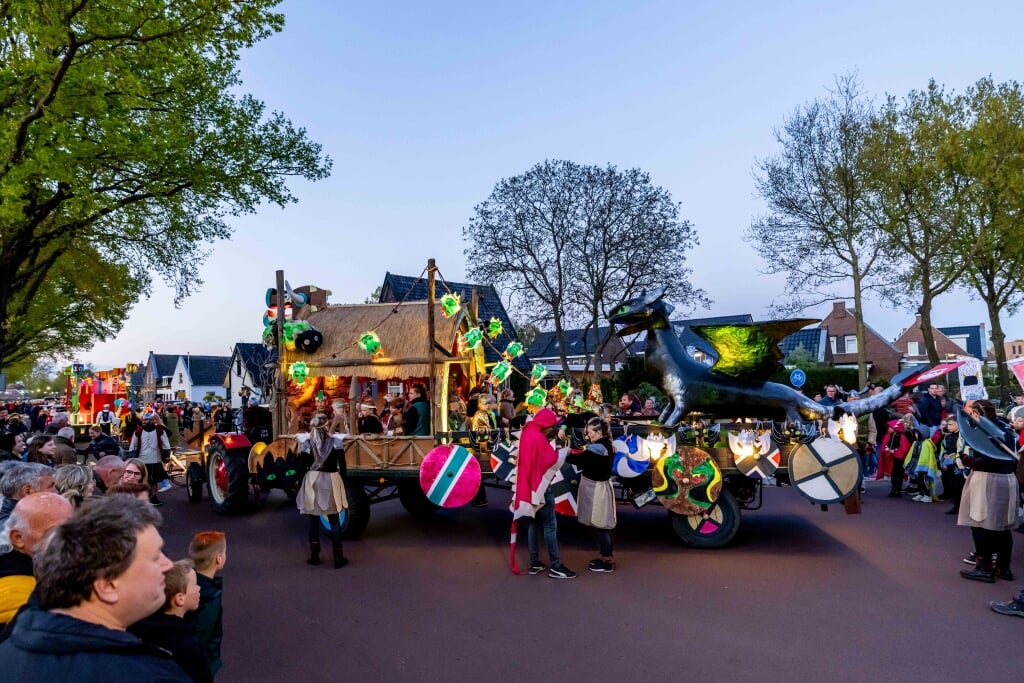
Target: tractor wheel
[
  {"x": 714, "y": 529},
  {"x": 194, "y": 482},
  {"x": 227, "y": 478},
  {"x": 413, "y": 499}
]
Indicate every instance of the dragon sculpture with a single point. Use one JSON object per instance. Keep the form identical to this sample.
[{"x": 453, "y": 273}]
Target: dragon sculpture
[{"x": 736, "y": 385}]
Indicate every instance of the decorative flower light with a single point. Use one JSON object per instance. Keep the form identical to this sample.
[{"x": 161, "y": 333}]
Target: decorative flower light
[
  {"x": 513, "y": 350},
  {"x": 538, "y": 373},
  {"x": 845, "y": 429},
  {"x": 471, "y": 339},
  {"x": 656, "y": 447},
  {"x": 495, "y": 328},
  {"x": 370, "y": 343},
  {"x": 536, "y": 397},
  {"x": 299, "y": 371},
  {"x": 750, "y": 443},
  {"x": 565, "y": 386},
  {"x": 450, "y": 304},
  {"x": 501, "y": 371}
]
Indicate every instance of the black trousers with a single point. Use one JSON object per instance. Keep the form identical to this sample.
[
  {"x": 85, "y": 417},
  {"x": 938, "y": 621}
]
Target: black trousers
[
  {"x": 335, "y": 534},
  {"x": 604, "y": 541},
  {"x": 988, "y": 543},
  {"x": 897, "y": 475}
]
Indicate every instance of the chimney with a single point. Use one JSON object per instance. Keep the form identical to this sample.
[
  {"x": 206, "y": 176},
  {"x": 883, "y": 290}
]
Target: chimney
[{"x": 838, "y": 309}]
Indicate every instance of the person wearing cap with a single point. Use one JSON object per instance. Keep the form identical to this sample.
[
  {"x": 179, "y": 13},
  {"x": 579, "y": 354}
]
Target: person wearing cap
[
  {"x": 105, "y": 419},
  {"x": 151, "y": 445}
]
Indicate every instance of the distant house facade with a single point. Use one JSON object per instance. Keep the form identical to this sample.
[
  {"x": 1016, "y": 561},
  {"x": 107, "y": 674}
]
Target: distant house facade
[
  {"x": 1014, "y": 349},
  {"x": 961, "y": 340},
  {"x": 250, "y": 373},
  {"x": 883, "y": 357},
  {"x": 812, "y": 341},
  {"x": 579, "y": 351},
  {"x": 156, "y": 377},
  {"x": 169, "y": 377}
]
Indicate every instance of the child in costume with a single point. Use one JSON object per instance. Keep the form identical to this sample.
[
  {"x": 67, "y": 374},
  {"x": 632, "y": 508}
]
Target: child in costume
[{"x": 322, "y": 491}]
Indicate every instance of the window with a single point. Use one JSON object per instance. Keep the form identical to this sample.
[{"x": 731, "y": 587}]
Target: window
[
  {"x": 851, "y": 343},
  {"x": 832, "y": 343},
  {"x": 960, "y": 340},
  {"x": 913, "y": 349}
]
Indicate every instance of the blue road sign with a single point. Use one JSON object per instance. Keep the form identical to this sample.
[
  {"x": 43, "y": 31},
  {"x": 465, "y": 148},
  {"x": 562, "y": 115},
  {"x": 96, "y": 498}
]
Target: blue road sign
[{"x": 797, "y": 378}]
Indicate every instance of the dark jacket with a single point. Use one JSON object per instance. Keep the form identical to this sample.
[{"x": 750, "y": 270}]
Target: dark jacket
[
  {"x": 65, "y": 454},
  {"x": 6, "y": 508},
  {"x": 45, "y": 646},
  {"x": 929, "y": 409},
  {"x": 104, "y": 444},
  {"x": 208, "y": 619},
  {"x": 421, "y": 427},
  {"x": 178, "y": 637},
  {"x": 595, "y": 463}
]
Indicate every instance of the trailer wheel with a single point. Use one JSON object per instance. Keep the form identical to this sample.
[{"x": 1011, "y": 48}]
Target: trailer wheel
[
  {"x": 714, "y": 529},
  {"x": 194, "y": 482},
  {"x": 357, "y": 516},
  {"x": 413, "y": 499},
  {"x": 227, "y": 478}
]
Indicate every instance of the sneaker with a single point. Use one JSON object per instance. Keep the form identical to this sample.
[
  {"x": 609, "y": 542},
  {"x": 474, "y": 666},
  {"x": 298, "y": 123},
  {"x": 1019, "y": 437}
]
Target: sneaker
[
  {"x": 537, "y": 568},
  {"x": 868, "y": 477},
  {"x": 1010, "y": 607},
  {"x": 561, "y": 572},
  {"x": 971, "y": 559},
  {"x": 978, "y": 574},
  {"x": 154, "y": 501},
  {"x": 600, "y": 565},
  {"x": 164, "y": 486},
  {"x": 1003, "y": 573}
]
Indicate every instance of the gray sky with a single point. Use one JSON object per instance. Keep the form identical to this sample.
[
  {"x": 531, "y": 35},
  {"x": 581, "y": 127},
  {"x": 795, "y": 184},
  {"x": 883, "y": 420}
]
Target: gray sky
[{"x": 425, "y": 106}]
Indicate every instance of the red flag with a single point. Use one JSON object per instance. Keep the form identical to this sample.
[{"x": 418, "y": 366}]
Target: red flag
[{"x": 932, "y": 373}]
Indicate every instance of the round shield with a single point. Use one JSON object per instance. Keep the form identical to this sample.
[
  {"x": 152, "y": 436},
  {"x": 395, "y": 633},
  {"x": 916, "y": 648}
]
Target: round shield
[
  {"x": 687, "y": 482},
  {"x": 450, "y": 476},
  {"x": 825, "y": 471},
  {"x": 630, "y": 460},
  {"x": 565, "y": 486},
  {"x": 754, "y": 454},
  {"x": 503, "y": 457}
]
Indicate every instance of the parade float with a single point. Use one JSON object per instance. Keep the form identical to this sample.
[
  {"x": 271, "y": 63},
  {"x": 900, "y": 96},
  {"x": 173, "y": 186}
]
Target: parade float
[
  {"x": 86, "y": 393},
  {"x": 725, "y": 432}
]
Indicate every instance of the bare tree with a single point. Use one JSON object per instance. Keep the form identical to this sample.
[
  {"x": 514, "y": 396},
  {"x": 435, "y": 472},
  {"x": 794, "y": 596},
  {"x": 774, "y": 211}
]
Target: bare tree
[
  {"x": 818, "y": 229},
  {"x": 569, "y": 241}
]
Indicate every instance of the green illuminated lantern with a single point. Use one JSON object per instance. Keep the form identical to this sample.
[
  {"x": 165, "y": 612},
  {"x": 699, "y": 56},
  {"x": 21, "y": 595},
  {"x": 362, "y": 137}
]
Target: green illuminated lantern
[
  {"x": 536, "y": 397},
  {"x": 538, "y": 373},
  {"x": 564, "y": 386},
  {"x": 68, "y": 371},
  {"x": 299, "y": 372},
  {"x": 501, "y": 371},
  {"x": 370, "y": 342},
  {"x": 495, "y": 328},
  {"x": 472, "y": 338},
  {"x": 514, "y": 350},
  {"x": 450, "y": 304}
]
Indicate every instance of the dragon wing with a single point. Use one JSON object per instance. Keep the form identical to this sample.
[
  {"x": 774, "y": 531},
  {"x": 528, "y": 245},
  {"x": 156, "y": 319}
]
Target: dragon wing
[{"x": 750, "y": 351}]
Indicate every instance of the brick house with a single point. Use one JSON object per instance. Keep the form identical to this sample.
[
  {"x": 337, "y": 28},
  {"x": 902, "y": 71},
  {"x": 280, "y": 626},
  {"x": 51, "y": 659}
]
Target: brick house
[
  {"x": 1014, "y": 349},
  {"x": 883, "y": 357},
  {"x": 960, "y": 340}
]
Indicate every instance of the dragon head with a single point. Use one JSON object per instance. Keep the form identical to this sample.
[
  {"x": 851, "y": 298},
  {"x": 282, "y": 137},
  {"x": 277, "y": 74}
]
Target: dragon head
[{"x": 644, "y": 312}]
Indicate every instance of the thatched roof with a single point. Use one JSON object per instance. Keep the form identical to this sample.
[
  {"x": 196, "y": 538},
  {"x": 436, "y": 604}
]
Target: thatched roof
[{"x": 403, "y": 337}]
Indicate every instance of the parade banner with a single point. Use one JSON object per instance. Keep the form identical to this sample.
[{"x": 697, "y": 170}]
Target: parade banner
[
  {"x": 1017, "y": 368},
  {"x": 972, "y": 386}
]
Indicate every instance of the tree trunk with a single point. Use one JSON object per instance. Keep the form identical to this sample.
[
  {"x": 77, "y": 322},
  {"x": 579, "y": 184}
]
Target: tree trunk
[
  {"x": 560, "y": 335},
  {"x": 858, "y": 317},
  {"x": 926, "y": 328},
  {"x": 999, "y": 348}
]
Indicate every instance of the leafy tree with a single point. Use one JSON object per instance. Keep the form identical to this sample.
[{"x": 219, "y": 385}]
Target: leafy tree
[
  {"x": 568, "y": 241},
  {"x": 818, "y": 230},
  {"x": 995, "y": 217},
  {"x": 921, "y": 190},
  {"x": 124, "y": 146}
]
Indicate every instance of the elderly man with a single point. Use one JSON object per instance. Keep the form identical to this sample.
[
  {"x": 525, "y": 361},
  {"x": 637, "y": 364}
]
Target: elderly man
[
  {"x": 21, "y": 480},
  {"x": 107, "y": 472},
  {"x": 100, "y": 572},
  {"x": 33, "y": 516},
  {"x": 64, "y": 447}
]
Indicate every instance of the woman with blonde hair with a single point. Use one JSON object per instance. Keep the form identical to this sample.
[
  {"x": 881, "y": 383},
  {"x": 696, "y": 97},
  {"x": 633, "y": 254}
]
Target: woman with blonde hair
[{"x": 74, "y": 482}]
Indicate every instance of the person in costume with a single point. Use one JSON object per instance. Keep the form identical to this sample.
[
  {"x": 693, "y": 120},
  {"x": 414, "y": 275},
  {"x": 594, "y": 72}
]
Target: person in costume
[
  {"x": 537, "y": 464},
  {"x": 596, "y": 499},
  {"x": 920, "y": 463},
  {"x": 896, "y": 447},
  {"x": 484, "y": 425},
  {"x": 323, "y": 490},
  {"x": 989, "y": 504}
]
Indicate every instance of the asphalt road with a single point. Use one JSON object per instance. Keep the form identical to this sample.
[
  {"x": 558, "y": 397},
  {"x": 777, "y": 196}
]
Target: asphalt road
[{"x": 801, "y": 595}]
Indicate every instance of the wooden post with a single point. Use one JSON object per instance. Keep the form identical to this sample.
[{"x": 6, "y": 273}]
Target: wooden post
[
  {"x": 280, "y": 390},
  {"x": 431, "y": 384}
]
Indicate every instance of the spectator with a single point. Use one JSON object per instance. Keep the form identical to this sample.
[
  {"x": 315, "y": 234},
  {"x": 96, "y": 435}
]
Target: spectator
[
  {"x": 929, "y": 408},
  {"x": 456, "y": 415},
  {"x": 172, "y": 425},
  {"x": 507, "y": 408},
  {"x": 12, "y": 446},
  {"x": 107, "y": 472},
  {"x": 33, "y": 516},
  {"x": 396, "y": 424},
  {"x": 58, "y": 421},
  {"x": 650, "y": 408},
  {"x": 831, "y": 396},
  {"x": 130, "y": 488},
  {"x": 21, "y": 480},
  {"x": 896, "y": 447},
  {"x": 1013, "y": 608},
  {"x": 209, "y": 554},
  {"x": 74, "y": 482},
  {"x": 64, "y": 447},
  {"x": 167, "y": 627},
  {"x": 920, "y": 463},
  {"x": 367, "y": 421},
  {"x": 101, "y": 571},
  {"x": 41, "y": 449},
  {"x": 629, "y": 405},
  {"x": 1018, "y": 407},
  {"x": 134, "y": 472}
]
